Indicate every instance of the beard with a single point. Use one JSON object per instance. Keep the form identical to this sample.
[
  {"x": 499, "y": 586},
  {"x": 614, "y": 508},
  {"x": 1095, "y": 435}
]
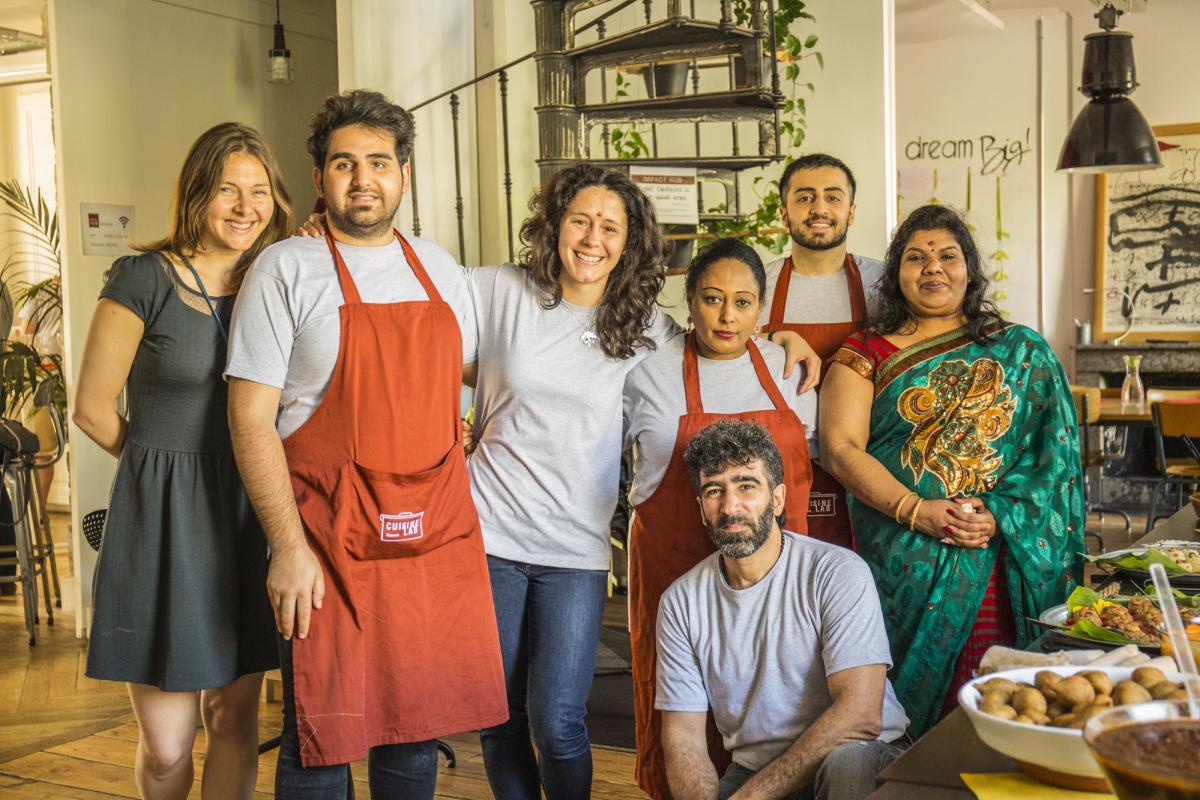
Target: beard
[
  {"x": 813, "y": 242},
  {"x": 743, "y": 545},
  {"x": 362, "y": 223}
]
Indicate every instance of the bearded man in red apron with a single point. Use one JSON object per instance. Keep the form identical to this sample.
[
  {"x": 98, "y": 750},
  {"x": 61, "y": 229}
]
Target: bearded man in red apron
[
  {"x": 345, "y": 362},
  {"x": 821, "y": 292}
]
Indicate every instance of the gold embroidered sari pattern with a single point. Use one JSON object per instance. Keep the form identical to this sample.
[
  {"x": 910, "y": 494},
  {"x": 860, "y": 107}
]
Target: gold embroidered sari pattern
[{"x": 954, "y": 416}]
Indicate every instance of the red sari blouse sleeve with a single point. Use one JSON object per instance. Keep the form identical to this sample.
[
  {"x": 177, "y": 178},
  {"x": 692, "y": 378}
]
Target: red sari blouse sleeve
[{"x": 863, "y": 353}]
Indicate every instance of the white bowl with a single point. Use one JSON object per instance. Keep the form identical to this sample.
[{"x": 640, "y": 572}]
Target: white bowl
[{"x": 1056, "y": 749}]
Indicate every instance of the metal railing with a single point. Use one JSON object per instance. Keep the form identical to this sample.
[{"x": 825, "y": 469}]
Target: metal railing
[{"x": 762, "y": 22}]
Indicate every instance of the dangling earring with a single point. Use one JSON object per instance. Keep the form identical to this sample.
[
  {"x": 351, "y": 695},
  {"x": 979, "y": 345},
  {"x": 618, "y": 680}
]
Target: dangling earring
[{"x": 691, "y": 326}]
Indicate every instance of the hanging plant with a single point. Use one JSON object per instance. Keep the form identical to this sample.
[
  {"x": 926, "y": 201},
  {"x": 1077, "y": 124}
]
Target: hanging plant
[{"x": 761, "y": 226}]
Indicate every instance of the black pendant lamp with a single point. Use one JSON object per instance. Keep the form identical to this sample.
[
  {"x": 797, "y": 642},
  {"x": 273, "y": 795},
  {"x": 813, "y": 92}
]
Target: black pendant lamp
[
  {"x": 1110, "y": 134},
  {"x": 279, "y": 58}
]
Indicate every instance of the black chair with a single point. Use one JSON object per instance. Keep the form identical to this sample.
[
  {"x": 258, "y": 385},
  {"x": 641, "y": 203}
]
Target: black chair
[
  {"x": 1087, "y": 414},
  {"x": 18, "y": 449}
]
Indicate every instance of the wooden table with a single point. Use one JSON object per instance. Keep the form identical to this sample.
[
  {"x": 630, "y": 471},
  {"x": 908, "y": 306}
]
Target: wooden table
[
  {"x": 931, "y": 767},
  {"x": 1112, "y": 413}
]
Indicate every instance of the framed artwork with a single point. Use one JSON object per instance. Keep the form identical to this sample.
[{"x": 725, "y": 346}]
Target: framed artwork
[{"x": 1147, "y": 262}]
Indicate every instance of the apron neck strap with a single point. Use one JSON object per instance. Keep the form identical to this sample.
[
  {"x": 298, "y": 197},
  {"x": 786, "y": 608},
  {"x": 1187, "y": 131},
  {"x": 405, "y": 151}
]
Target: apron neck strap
[
  {"x": 858, "y": 300},
  {"x": 691, "y": 376},
  {"x": 779, "y": 299},
  {"x": 350, "y": 291}
]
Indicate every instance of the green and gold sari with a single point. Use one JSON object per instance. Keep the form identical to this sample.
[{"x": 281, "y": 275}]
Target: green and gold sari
[{"x": 955, "y": 418}]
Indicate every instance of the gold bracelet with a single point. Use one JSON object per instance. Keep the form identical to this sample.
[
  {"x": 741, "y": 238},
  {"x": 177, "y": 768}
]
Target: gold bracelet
[
  {"x": 900, "y": 504},
  {"x": 912, "y": 520}
]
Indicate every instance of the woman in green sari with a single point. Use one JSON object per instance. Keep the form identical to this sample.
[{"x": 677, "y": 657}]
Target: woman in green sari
[{"x": 953, "y": 432}]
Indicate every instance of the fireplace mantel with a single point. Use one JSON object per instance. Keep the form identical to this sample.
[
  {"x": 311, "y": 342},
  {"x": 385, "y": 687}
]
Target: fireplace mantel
[{"x": 1174, "y": 363}]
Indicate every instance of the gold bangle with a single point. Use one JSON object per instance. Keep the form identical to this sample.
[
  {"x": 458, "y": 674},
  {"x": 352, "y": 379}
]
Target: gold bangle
[
  {"x": 900, "y": 504},
  {"x": 912, "y": 520}
]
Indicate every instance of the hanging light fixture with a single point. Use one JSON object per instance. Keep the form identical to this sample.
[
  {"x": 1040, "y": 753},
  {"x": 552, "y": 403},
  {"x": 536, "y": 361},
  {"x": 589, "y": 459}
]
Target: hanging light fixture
[
  {"x": 279, "y": 58},
  {"x": 1110, "y": 134}
]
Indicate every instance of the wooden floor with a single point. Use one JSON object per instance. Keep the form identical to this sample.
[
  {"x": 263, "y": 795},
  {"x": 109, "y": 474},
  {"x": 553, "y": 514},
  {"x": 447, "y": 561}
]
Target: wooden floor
[{"x": 64, "y": 735}]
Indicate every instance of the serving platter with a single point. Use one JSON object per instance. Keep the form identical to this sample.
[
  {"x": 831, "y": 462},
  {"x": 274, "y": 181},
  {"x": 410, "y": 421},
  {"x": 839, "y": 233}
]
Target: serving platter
[{"x": 1182, "y": 580}]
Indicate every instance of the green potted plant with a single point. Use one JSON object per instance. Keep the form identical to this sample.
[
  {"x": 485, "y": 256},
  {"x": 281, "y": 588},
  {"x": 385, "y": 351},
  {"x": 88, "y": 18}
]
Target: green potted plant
[
  {"x": 23, "y": 366},
  {"x": 761, "y": 226}
]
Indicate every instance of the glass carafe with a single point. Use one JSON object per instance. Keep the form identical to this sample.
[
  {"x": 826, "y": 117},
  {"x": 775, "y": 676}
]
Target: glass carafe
[{"x": 1133, "y": 394}]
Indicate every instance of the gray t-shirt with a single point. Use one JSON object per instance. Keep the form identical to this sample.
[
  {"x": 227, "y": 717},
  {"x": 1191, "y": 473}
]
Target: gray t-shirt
[
  {"x": 759, "y": 657},
  {"x": 655, "y": 400},
  {"x": 548, "y": 422},
  {"x": 286, "y": 327},
  {"x": 821, "y": 298}
]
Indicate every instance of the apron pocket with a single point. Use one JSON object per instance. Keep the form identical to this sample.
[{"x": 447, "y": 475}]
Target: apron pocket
[{"x": 385, "y": 515}]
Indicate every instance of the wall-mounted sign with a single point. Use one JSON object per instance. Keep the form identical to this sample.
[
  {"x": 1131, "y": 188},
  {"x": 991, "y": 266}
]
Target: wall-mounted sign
[
  {"x": 107, "y": 229},
  {"x": 672, "y": 190}
]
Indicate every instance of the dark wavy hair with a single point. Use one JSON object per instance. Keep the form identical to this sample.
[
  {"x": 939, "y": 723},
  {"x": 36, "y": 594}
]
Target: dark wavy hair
[
  {"x": 733, "y": 443},
  {"x": 721, "y": 249},
  {"x": 627, "y": 307},
  {"x": 359, "y": 107},
  {"x": 894, "y": 314}
]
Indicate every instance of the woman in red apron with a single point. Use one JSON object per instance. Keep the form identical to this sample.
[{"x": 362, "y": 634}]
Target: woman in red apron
[
  {"x": 693, "y": 380},
  {"x": 827, "y": 516}
]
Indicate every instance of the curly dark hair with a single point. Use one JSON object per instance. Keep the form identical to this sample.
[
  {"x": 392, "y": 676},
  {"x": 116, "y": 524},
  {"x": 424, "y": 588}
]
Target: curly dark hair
[
  {"x": 733, "y": 443},
  {"x": 894, "y": 314},
  {"x": 359, "y": 107},
  {"x": 721, "y": 249},
  {"x": 627, "y": 307}
]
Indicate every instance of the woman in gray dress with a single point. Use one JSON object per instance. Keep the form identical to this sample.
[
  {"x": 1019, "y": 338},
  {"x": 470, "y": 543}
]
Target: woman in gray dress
[{"x": 180, "y": 604}]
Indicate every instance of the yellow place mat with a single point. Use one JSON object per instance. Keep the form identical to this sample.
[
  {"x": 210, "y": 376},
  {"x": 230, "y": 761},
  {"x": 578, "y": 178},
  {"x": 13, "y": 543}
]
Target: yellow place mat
[{"x": 1019, "y": 786}]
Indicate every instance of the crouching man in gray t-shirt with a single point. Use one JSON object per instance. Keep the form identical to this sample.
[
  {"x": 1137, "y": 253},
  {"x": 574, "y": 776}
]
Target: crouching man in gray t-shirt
[{"x": 780, "y": 635}]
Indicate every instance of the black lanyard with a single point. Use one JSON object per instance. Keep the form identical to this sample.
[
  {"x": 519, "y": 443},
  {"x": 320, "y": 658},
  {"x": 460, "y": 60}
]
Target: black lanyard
[{"x": 207, "y": 299}]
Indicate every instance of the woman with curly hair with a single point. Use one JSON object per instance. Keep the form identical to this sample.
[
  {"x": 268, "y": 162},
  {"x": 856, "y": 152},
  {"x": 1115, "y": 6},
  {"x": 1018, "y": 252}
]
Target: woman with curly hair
[
  {"x": 954, "y": 435},
  {"x": 558, "y": 334}
]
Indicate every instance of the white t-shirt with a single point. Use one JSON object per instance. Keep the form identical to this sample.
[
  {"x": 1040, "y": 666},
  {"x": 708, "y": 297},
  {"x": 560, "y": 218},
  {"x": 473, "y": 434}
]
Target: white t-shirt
[
  {"x": 655, "y": 400},
  {"x": 814, "y": 299},
  {"x": 547, "y": 467},
  {"x": 760, "y": 657},
  {"x": 286, "y": 328}
]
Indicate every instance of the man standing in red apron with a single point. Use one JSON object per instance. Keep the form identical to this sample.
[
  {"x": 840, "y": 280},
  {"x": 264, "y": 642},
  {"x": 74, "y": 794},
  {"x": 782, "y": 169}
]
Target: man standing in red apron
[
  {"x": 345, "y": 363},
  {"x": 821, "y": 292}
]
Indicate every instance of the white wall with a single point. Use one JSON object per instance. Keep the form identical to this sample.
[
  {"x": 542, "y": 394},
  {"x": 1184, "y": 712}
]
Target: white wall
[
  {"x": 989, "y": 79},
  {"x": 134, "y": 82},
  {"x": 963, "y": 121},
  {"x": 411, "y": 52}
]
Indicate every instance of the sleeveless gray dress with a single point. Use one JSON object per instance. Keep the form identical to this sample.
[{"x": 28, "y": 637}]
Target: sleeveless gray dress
[{"x": 179, "y": 600}]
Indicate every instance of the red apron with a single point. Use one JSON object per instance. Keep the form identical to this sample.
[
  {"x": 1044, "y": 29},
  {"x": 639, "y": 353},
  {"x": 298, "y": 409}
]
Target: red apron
[
  {"x": 404, "y": 647},
  {"x": 668, "y": 538},
  {"x": 828, "y": 518}
]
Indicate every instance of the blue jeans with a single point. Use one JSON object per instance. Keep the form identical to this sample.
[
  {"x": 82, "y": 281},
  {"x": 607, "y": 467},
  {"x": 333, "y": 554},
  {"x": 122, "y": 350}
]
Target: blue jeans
[
  {"x": 406, "y": 771},
  {"x": 549, "y": 622},
  {"x": 847, "y": 773}
]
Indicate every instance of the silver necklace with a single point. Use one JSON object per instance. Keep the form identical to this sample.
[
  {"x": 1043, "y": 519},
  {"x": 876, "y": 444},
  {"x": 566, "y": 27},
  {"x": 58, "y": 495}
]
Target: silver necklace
[{"x": 588, "y": 333}]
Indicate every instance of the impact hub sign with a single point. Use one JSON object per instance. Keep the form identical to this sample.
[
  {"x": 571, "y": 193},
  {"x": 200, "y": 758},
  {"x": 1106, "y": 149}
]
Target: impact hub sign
[{"x": 673, "y": 191}]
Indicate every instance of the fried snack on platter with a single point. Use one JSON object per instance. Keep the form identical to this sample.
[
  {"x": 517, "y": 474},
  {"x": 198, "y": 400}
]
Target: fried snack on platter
[
  {"x": 1119, "y": 619},
  {"x": 1145, "y": 612},
  {"x": 1068, "y": 701}
]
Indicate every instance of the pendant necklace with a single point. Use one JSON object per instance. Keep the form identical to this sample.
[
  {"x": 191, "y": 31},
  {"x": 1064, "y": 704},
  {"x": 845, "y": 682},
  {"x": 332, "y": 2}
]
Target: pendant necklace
[{"x": 588, "y": 333}]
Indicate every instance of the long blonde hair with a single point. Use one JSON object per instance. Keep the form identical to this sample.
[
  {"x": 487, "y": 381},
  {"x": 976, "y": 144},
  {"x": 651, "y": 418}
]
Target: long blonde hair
[{"x": 198, "y": 181}]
